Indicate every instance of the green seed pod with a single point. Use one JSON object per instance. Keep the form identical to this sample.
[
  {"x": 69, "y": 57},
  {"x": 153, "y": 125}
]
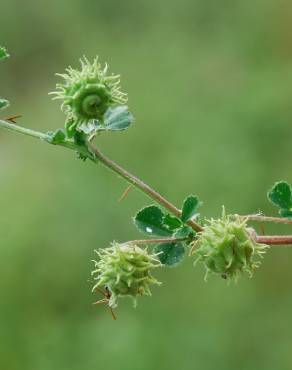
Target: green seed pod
[
  {"x": 88, "y": 93},
  {"x": 227, "y": 248},
  {"x": 125, "y": 270}
]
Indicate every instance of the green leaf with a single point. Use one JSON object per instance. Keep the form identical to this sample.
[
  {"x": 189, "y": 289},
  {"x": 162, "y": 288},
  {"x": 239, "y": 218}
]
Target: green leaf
[
  {"x": 184, "y": 232},
  {"x": 189, "y": 209},
  {"x": 3, "y": 103},
  {"x": 118, "y": 118},
  {"x": 281, "y": 196},
  {"x": 285, "y": 212},
  {"x": 171, "y": 222},
  {"x": 91, "y": 127},
  {"x": 57, "y": 137},
  {"x": 115, "y": 119},
  {"x": 170, "y": 254},
  {"x": 80, "y": 138},
  {"x": 3, "y": 53},
  {"x": 150, "y": 221}
]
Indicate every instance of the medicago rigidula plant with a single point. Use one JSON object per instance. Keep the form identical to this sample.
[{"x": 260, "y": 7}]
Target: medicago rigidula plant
[{"x": 94, "y": 103}]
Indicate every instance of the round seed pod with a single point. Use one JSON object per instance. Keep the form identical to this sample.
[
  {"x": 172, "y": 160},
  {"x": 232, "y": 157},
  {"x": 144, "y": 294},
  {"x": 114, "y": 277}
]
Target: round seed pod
[
  {"x": 125, "y": 270},
  {"x": 227, "y": 248},
  {"x": 88, "y": 93}
]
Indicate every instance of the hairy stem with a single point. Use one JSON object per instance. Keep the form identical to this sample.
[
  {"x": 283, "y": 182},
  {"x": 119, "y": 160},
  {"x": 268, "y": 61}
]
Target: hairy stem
[
  {"x": 139, "y": 184},
  {"x": 260, "y": 218},
  {"x": 22, "y": 130},
  {"x": 274, "y": 239},
  {"x": 155, "y": 241},
  {"x": 135, "y": 181},
  {"x": 99, "y": 157}
]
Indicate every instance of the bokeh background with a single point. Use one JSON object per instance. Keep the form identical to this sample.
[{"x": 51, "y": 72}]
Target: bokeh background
[{"x": 210, "y": 84}]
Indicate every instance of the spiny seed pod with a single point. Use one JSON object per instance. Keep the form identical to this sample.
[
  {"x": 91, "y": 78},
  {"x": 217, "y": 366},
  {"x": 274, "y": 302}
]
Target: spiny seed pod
[
  {"x": 87, "y": 93},
  {"x": 125, "y": 270},
  {"x": 227, "y": 248}
]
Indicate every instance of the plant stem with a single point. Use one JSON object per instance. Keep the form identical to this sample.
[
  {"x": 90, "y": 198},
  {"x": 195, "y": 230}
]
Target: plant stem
[
  {"x": 260, "y": 218},
  {"x": 274, "y": 239},
  {"x": 155, "y": 241},
  {"x": 135, "y": 181},
  {"x": 22, "y": 130},
  {"x": 99, "y": 157}
]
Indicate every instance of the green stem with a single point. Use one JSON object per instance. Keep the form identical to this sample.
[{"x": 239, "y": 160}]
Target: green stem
[
  {"x": 22, "y": 130},
  {"x": 135, "y": 181},
  {"x": 96, "y": 156}
]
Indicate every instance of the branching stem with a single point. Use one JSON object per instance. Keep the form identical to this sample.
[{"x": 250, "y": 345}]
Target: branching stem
[
  {"x": 96, "y": 156},
  {"x": 135, "y": 181},
  {"x": 113, "y": 166}
]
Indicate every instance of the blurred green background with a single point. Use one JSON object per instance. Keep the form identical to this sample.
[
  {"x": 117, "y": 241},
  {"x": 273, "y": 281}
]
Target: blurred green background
[{"x": 210, "y": 84}]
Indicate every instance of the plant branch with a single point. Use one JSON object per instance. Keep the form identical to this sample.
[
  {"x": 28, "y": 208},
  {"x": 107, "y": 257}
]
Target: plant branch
[
  {"x": 96, "y": 156},
  {"x": 155, "y": 241},
  {"x": 22, "y": 130},
  {"x": 274, "y": 239},
  {"x": 113, "y": 166},
  {"x": 260, "y": 218},
  {"x": 135, "y": 181}
]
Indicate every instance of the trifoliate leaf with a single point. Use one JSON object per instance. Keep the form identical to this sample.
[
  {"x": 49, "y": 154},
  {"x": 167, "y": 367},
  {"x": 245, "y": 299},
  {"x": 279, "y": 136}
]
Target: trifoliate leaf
[
  {"x": 170, "y": 254},
  {"x": 281, "y": 196},
  {"x": 3, "y": 53},
  {"x": 189, "y": 209},
  {"x": 3, "y": 103},
  {"x": 118, "y": 118},
  {"x": 149, "y": 220},
  {"x": 171, "y": 222},
  {"x": 184, "y": 232}
]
